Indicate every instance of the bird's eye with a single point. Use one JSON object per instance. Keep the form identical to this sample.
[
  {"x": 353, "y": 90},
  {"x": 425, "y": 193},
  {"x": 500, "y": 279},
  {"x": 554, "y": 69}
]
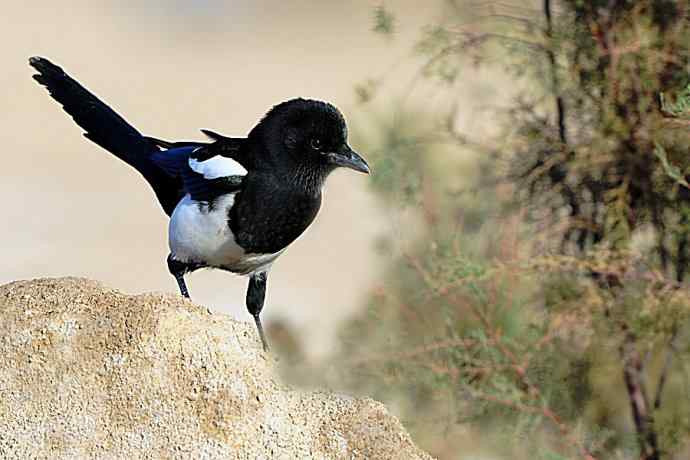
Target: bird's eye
[{"x": 315, "y": 144}]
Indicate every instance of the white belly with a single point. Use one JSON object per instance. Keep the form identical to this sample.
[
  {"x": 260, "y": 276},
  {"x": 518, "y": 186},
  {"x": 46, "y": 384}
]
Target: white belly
[{"x": 198, "y": 234}]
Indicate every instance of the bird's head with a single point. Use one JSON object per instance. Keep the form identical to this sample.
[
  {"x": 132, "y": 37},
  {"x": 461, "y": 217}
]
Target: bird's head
[{"x": 311, "y": 135}]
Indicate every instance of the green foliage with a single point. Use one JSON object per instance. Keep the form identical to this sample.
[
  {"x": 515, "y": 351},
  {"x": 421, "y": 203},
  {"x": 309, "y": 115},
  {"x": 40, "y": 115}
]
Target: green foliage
[
  {"x": 671, "y": 171},
  {"x": 680, "y": 107},
  {"x": 612, "y": 108},
  {"x": 440, "y": 45},
  {"x": 535, "y": 287},
  {"x": 384, "y": 21},
  {"x": 365, "y": 91}
]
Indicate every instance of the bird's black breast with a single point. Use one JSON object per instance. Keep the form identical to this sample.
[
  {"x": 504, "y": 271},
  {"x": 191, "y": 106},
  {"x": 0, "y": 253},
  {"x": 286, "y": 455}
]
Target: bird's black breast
[{"x": 269, "y": 214}]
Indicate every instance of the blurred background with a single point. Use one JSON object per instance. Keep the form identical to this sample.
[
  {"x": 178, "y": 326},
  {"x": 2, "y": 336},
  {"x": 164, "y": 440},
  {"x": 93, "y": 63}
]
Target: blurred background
[{"x": 512, "y": 278}]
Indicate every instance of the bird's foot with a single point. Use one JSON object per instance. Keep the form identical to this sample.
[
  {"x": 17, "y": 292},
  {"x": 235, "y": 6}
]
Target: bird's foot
[{"x": 260, "y": 328}]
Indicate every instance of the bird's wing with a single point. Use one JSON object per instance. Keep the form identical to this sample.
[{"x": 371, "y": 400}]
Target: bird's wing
[
  {"x": 206, "y": 171},
  {"x": 229, "y": 143},
  {"x": 160, "y": 143}
]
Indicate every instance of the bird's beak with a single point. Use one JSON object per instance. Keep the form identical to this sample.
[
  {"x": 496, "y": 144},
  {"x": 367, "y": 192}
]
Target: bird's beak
[{"x": 348, "y": 158}]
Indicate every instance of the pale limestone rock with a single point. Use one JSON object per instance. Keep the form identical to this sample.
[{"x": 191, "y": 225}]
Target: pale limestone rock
[{"x": 88, "y": 372}]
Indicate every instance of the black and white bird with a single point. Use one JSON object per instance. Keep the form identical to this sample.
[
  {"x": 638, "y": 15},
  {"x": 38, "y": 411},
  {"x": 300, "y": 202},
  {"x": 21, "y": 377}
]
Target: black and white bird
[{"x": 234, "y": 203}]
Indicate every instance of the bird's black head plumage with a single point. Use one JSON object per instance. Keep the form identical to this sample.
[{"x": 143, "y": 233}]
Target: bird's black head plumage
[{"x": 307, "y": 136}]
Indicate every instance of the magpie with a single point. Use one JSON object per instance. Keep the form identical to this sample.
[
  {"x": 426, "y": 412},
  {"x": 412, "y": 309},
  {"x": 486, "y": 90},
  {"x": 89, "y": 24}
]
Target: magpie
[{"x": 235, "y": 203}]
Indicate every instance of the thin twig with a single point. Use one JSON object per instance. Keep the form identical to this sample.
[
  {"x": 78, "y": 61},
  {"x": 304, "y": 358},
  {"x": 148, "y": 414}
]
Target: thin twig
[{"x": 665, "y": 369}]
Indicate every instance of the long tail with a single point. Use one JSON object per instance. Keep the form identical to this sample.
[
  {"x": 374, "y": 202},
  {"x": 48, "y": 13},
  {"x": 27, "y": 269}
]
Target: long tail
[{"x": 107, "y": 129}]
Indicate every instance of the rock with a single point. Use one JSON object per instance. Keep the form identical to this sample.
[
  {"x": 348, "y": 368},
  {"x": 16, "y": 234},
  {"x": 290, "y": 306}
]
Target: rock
[{"x": 88, "y": 372}]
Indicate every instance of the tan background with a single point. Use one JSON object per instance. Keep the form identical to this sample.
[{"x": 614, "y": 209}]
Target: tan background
[{"x": 172, "y": 67}]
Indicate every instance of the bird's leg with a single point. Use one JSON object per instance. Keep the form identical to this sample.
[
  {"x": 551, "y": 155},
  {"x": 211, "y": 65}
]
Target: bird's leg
[
  {"x": 178, "y": 269},
  {"x": 256, "y": 293}
]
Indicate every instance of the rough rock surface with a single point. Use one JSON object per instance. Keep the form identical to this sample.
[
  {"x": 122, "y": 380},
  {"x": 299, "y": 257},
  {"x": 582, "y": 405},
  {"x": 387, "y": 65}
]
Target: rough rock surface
[{"x": 88, "y": 372}]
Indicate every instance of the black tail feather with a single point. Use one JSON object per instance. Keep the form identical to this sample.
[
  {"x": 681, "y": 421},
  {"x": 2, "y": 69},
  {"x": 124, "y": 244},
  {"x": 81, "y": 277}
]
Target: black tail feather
[{"x": 108, "y": 129}]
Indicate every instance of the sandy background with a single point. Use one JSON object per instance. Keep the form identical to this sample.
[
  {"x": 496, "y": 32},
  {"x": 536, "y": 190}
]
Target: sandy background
[{"x": 171, "y": 67}]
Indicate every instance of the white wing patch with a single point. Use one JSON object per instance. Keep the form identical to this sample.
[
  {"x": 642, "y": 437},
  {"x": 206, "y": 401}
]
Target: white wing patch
[{"x": 217, "y": 166}]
